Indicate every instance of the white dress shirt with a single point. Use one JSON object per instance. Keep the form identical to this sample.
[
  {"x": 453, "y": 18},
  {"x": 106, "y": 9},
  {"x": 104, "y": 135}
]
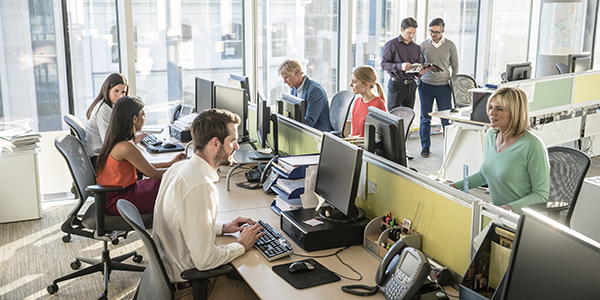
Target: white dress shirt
[
  {"x": 185, "y": 217},
  {"x": 96, "y": 128}
]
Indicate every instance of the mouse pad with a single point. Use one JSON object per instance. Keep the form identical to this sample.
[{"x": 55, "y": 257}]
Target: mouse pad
[{"x": 320, "y": 275}]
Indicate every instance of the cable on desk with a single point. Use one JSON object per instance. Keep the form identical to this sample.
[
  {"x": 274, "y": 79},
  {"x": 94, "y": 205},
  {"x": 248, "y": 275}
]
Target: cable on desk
[{"x": 340, "y": 259}]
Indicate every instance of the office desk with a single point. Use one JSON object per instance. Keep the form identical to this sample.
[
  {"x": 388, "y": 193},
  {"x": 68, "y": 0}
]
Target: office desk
[{"x": 463, "y": 144}]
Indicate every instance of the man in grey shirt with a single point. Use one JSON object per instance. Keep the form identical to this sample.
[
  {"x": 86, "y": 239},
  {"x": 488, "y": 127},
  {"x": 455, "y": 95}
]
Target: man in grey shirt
[{"x": 434, "y": 85}]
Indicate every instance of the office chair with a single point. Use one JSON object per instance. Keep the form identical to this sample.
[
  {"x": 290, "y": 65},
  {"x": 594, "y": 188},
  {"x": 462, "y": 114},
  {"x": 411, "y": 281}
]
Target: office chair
[
  {"x": 155, "y": 283},
  {"x": 407, "y": 115},
  {"x": 568, "y": 167},
  {"x": 339, "y": 109},
  {"x": 76, "y": 126},
  {"x": 460, "y": 85},
  {"x": 562, "y": 68},
  {"x": 94, "y": 223}
]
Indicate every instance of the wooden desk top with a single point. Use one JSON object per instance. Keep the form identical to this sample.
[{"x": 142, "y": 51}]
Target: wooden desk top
[{"x": 456, "y": 116}]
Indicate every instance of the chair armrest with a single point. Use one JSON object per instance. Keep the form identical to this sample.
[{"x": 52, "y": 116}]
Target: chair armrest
[
  {"x": 555, "y": 206},
  {"x": 99, "y": 200},
  {"x": 104, "y": 188},
  {"x": 336, "y": 133},
  {"x": 196, "y": 275}
]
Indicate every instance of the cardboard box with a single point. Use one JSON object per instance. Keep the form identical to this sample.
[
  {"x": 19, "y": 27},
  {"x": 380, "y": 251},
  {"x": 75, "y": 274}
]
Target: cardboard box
[{"x": 484, "y": 276}]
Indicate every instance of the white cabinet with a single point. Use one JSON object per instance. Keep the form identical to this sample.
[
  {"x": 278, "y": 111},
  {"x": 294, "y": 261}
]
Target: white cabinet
[{"x": 20, "y": 197}]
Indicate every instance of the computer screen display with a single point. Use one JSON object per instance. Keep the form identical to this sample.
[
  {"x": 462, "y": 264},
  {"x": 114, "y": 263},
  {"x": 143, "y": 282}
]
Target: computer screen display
[
  {"x": 205, "y": 96},
  {"x": 384, "y": 135},
  {"x": 518, "y": 71},
  {"x": 580, "y": 62},
  {"x": 263, "y": 119},
  {"x": 338, "y": 174},
  {"x": 551, "y": 261},
  {"x": 233, "y": 99},
  {"x": 292, "y": 107}
]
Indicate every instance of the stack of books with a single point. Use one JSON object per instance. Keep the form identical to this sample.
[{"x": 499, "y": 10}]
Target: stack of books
[{"x": 21, "y": 140}]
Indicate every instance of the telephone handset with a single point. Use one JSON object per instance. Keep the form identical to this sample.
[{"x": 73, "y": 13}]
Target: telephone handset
[
  {"x": 268, "y": 176},
  {"x": 180, "y": 111},
  {"x": 402, "y": 272}
]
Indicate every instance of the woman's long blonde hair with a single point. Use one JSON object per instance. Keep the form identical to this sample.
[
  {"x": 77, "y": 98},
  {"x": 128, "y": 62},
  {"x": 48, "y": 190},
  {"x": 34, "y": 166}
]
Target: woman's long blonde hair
[{"x": 367, "y": 74}]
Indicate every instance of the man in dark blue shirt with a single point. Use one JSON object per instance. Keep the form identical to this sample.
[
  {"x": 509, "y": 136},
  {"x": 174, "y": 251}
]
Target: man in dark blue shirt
[
  {"x": 317, "y": 105},
  {"x": 398, "y": 56}
]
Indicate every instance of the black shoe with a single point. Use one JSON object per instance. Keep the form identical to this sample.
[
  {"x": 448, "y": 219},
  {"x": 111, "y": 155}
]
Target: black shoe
[
  {"x": 409, "y": 157},
  {"x": 425, "y": 152}
]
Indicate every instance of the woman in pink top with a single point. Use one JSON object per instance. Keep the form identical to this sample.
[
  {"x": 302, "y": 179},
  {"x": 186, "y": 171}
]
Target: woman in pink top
[
  {"x": 119, "y": 159},
  {"x": 364, "y": 80}
]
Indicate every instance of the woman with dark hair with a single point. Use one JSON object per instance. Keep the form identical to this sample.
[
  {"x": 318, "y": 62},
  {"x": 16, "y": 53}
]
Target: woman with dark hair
[
  {"x": 119, "y": 159},
  {"x": 114, "y": 87}
]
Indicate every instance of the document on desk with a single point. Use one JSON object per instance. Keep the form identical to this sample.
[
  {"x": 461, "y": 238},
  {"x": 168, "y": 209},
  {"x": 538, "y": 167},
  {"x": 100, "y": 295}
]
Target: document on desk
[
  {"x": 288, "y": 204},
  {"x": 289, "y": 185},
  {"x": 298, "y": 161}
]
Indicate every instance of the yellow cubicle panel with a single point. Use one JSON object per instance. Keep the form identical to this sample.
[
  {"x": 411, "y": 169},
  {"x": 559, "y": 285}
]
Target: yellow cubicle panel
[
  {"x": 293, "y": 141},
  {"x": 445, "y": 224},
  {"x": 586, "y": 89},
  {"x": 252, "y": 122}
]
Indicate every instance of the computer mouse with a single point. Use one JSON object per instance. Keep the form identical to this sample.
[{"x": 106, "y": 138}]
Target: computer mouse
[
  {"x": 454, "y": 110},
  {"x": 300, "y": 266},
  {"x": 169, "y": 146}
]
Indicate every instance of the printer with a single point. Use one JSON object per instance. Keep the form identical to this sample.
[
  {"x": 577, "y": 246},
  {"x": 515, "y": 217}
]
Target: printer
[{"x": 180, "y": 129}]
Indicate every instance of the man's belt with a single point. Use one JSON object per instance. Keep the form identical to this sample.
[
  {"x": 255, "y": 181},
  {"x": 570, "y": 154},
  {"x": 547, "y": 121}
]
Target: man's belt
[
  {"x": 178, "y": 286},
  {"x": 405, "y": 81}
]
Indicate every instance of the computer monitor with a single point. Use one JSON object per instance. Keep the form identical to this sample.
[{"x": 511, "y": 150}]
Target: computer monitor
[
  {"x": 234, "y": 100},
  {"x": 580, "y": 62},
  {"x": 263, "y": 128},
  {"x": 551, "y": 261},
  {"x": 338, "y": 175},
  {"x": 205, "y": 94},
  {"x": 384, "y": 135},
  {"x": 241, "y": 82},
  {"x": 292, "y": 107},
  {"x": 518, "y": 71}
]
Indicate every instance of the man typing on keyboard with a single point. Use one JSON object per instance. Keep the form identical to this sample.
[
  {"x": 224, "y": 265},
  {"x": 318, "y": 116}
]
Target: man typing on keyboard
[{"x": 186, "y": 210}]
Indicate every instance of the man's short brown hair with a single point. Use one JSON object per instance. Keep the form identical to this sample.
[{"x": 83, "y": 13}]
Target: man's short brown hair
[{"x": 212, "y": 123}]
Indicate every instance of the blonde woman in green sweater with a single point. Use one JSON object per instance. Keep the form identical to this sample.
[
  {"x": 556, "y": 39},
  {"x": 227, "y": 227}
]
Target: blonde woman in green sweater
[{"x": 515, "y": 161}]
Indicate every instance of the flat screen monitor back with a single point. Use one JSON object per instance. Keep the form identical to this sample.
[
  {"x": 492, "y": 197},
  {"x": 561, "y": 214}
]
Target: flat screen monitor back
[
  {"x": 233, "y": 99},
  {"x": 580, "y": 62},
  {"x": 205, "y": 94},
  {"x": 292, "y": 106},
  {"x": 518, "y": 71},
  {"x": 263, "y": 119},
  {"x": 551, "y": 261},
  {"x": 241, "y": 82},
  {"x": 338, "y": 175},
  {"x": 384, "y": 135}
]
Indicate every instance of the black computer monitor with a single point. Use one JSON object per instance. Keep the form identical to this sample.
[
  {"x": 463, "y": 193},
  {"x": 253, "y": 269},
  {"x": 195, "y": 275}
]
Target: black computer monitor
[
  {"x": 263, "y": 128},
  {"x": 234, "y": 100},
  {"x": 241, "y": 82},
  {"x": 338, "y": 174},
  {"x": 292, "y": 107},
  {"x": 205, "y": 94},
  {"x": 518, "y": 71},
  {"x": 551, "y": 261},
  {"x": 580, "y": 62},
  {"x": 384, "y": 135}
]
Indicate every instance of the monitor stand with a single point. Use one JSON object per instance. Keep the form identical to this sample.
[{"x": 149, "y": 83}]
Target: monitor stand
[
  {"x": 330, "y": 214},
  {"x": 257, "y": 155}
]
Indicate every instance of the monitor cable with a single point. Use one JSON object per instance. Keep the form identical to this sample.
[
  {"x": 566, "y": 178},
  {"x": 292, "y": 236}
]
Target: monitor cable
[{"x": 360, "y": 277}]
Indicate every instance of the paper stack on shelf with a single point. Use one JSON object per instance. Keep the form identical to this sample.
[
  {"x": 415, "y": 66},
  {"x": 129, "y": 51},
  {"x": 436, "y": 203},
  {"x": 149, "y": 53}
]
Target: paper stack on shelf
[{"x": 21, "y": 139}]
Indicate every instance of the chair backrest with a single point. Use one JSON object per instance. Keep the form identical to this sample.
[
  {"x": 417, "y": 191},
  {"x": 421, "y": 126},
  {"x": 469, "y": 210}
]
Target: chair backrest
[
  {"x": 461, "y": 84},
  {"x": 339, "y": 109},
  {"x": 77, "y": 127},
  {"x": 155, "y": 283},
  {"x": 407, "y": 114},
  {"x": 568, "y": 167},
  {"x": 82, "y": 171},
  {"x": 562, "y": 68}
]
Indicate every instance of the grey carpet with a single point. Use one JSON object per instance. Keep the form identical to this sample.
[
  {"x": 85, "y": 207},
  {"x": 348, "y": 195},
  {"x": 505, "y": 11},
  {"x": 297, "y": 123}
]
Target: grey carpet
[{"x": 32, "y": 254}]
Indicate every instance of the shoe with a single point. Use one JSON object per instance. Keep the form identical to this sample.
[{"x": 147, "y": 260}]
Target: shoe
[{"x": 425, "y": 152}]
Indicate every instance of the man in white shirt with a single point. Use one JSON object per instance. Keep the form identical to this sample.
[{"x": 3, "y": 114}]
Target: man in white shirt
[{"x": 186, "y": 211}]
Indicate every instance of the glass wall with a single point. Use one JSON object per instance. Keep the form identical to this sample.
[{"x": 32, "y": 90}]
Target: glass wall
[{"x": 304, "y": 30}]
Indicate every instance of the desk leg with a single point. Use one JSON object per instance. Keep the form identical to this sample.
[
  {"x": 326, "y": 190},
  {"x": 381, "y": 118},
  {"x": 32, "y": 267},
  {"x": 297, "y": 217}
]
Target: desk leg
[
  {"x": 451, "y": 148},
  {"x": 229, "y": 175}
]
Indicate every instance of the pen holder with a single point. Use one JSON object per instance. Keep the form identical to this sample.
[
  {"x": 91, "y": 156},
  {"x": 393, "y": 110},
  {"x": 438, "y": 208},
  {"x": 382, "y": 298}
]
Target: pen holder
[{"x": 374, "y": 237}]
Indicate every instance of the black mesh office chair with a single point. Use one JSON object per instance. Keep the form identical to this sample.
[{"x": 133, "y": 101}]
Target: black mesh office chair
[
  {"x": 460, "y": 85},
  {"x": 407, "y": 115},
  {"x": 76, "y": 126},
  {"x": 339, "y": 109},
  {"x": 562, "y": 68},
  {"x": 155, "y": 283},
  {"x": 93, "y": 223},
  {"x": 568, "y": 167}
]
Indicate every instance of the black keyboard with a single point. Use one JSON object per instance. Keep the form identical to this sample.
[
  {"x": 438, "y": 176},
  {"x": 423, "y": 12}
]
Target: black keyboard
[
  {"x": 154, "y": 145},
  {"x": 151, "y": 140},
  {"x": 272, "y": 245}
]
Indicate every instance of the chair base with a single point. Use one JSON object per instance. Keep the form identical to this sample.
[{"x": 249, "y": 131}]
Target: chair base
[{"x": 105, "y": 265}]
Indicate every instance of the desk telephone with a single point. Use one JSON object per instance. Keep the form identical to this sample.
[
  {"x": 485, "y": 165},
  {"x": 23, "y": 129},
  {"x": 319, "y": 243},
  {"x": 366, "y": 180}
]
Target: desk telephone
[{"x": 400, "y": 275}]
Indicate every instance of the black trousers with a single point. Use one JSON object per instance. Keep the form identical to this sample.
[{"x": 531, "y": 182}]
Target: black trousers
[{"x": 401, "y": 94}]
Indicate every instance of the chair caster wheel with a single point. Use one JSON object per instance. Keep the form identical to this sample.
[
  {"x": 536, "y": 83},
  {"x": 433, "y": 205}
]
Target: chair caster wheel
[
  {"x": 137, "y": 258},
  {"x": 115, "y": 242},
  {"x": 76, "y": 264},
  {"x": 102, "y": 297},
  {"x": 66, "y": 238},
  {"x": 52, "y": 288}
]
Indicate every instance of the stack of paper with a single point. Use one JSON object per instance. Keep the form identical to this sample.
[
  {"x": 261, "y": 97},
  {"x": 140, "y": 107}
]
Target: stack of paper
[
  {"x": 289, "y": 185},
  {"x": 21, "y": 139},
  {"x": 288, "y": 204},
  {"x": 289, "y": 163}
]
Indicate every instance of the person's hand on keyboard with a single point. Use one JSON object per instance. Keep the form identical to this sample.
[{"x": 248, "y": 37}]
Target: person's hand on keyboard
[
  {"x": 139, "y": 137},
  {"x": 237, "y": 224},
  {"x": 249, "y": 235}
]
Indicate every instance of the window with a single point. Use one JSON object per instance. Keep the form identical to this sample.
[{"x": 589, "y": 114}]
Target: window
[
  {"x": 279, "y": 39},
  {"x": 232, "y": 43}
]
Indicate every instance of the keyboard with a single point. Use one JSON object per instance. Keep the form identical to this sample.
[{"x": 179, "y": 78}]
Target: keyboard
[
  {"x": 154, "y": 145},
  {"x": 151, "y": 140},
  {"x": 272, "y": 245}
]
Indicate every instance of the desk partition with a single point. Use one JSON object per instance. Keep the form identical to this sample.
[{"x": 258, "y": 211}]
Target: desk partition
[{"x": 586, "y": 89}]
